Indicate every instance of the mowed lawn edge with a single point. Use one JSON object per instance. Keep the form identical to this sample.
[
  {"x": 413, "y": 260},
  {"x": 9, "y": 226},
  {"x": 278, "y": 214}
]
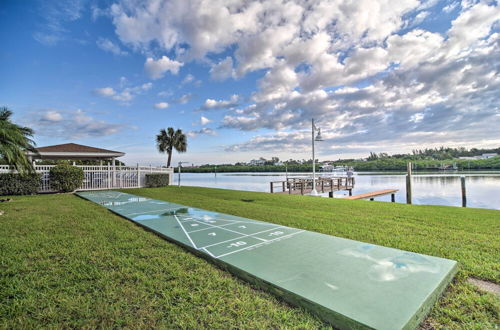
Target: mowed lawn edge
[{"x": 66, "y": 262}]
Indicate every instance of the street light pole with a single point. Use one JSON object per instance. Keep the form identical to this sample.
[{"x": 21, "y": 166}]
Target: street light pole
[
  {"x": 318, "y": 137},
  {"x": 179, "y": 171},
  {"x": 313, "y": 192}
]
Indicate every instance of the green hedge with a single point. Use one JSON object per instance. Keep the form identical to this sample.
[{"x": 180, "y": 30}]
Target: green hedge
[
  {"x": 16, "y": 184},
  {"x": 65, "y": 178},
  {"x": 156, "y": 180}
]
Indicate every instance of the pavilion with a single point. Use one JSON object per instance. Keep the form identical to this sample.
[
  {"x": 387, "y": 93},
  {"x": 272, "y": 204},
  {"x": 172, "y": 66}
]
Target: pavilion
[{"x": 73, "y": 151}]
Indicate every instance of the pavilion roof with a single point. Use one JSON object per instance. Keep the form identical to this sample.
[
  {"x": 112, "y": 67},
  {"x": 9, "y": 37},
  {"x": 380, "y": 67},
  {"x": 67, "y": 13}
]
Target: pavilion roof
[{"x": 74, "y": 151}]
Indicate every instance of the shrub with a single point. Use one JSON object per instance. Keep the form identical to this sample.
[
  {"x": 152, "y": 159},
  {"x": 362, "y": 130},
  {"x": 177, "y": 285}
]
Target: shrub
[
  {"x": 65, "y": 178},
  {"x": 17, "y": 184},
  {"x": 154, "y": 180}
]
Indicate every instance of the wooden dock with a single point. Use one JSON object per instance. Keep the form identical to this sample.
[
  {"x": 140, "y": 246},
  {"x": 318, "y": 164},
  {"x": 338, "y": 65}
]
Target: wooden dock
[
  {"x": 372, "y": 195},
  {"x": 303, "y": 186}
]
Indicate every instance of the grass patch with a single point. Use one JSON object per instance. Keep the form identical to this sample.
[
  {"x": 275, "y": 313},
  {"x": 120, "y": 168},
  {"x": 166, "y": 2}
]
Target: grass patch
[{"x": 66, "y": 262}]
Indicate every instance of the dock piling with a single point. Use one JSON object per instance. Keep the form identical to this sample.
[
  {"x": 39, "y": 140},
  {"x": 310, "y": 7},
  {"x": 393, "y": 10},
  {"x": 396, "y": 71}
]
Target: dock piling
[
  {"x": 408, "y": 184},
  {"x": 464, "y": 197}
]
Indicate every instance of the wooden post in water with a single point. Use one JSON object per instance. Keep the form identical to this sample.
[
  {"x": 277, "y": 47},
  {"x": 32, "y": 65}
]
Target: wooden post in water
[
  {"x": 271, "y": 184},
  {"x": 464, "y": 196},
  {"x": 408, "y": 184}
]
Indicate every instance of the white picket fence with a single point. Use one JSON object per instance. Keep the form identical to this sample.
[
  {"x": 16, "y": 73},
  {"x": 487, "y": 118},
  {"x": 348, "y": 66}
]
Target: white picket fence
[{"x": 102, "y": 177}]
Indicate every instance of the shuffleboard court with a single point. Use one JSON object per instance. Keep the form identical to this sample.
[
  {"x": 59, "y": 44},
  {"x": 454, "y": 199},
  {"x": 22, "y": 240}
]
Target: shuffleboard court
[{"x": 347, "y": 283}]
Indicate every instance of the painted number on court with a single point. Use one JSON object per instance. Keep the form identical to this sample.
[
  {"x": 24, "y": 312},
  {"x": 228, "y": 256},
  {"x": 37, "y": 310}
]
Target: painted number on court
[
  {"x": 236, "y": 244},
  {"x": 276, "y": 233}
]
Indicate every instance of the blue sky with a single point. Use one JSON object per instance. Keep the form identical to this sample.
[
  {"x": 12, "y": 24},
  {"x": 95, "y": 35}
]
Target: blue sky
[{"x": 243, "y": 79}]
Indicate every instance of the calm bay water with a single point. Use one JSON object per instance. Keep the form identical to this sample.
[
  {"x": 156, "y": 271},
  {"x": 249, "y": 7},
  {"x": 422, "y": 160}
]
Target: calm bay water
[{"x": 483, "y": 188}]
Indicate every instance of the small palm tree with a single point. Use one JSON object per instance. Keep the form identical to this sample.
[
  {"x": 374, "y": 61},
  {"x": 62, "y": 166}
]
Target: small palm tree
[
  {"x": 15, "y": 140},
  {"x": 171, "y": 139}
]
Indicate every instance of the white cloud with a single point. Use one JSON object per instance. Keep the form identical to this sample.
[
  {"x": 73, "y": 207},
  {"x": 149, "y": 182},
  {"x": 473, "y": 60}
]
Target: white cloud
[
  {"x": 204, "y": 121},
  {"x": 183, "y": 99},
  {"x": 109, "y": 46},
  {"x": 472, "y": 24},
  {"x": 105, "y": 91},
  {"x": 203, "y": 131},
  {"x": 126, "y": 94},
  {"x": 52, "y": 116},
  {"x": 56, "y": 15},
  {"x": 161, "y": 105},
  {"x": 358, "y": 66},
  {"x": 211, "y": 104},
  {"x": 156, "y": 69},
  {"x": 70, "y": 124},
  {"x": 419, "y": 18},
  {"x": 187, "y": 79},
  {"x": 222, "y": 70},
  {"x": 449, "y": 8}
]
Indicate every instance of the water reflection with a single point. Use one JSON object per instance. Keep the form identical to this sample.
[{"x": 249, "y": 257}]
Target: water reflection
[{"x": 483, "y": 188}]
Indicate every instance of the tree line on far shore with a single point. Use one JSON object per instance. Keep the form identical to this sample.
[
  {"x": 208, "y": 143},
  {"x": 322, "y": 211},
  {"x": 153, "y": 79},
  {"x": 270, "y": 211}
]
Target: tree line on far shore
[{"x": 426, "y": 159}]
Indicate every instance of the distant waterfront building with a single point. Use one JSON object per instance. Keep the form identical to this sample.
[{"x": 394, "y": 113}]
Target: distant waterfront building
[
  {"x": 486, "y": 156},
  {"x": 483, "y": 156},
  {"x": 257, "y": 162}
]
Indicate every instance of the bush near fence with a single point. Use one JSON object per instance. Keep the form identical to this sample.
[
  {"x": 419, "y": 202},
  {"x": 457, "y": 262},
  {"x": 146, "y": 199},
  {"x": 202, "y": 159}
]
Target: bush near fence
[
  {"x": 66, "y": 178},
  {"x": 17, "y": 184},
  {"x": 156, "y": 180}
]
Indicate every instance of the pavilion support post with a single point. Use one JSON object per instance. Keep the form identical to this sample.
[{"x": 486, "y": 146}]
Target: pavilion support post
[
  {"x": 114, "y": 172},
  {"x": 138, "y": 176},
  {"x": 109, "y": 176}
]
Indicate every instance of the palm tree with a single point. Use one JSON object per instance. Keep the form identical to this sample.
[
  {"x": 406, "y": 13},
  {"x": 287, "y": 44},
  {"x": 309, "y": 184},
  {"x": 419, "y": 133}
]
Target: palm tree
[
  {"x": 15, "y": 140},
  {"x": 171, "y": 139}
]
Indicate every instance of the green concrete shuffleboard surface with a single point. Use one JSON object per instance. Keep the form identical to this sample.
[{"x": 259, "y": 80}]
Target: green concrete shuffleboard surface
[{"x": 347, "y": 283}]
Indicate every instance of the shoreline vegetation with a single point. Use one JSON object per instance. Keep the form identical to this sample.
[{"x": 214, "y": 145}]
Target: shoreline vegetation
[
  {"x": 429, "y": 159},
  {"x": 382, "y": 164},
  {"x": 69, "y": 263}
]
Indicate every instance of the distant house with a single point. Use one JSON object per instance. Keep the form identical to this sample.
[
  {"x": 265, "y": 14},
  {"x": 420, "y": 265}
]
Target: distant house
[
  {"x": 486, "y": 156},
  {"x": 483, "y": 156},
  {"x": 257, "y": 162},
  {"x": 327, "y": 167},
  {"x": 278, "y": 164}
]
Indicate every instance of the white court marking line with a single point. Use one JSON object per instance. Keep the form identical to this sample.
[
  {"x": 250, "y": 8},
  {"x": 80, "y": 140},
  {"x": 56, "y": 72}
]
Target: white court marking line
[
  {"x": 234, "y": 221},
  {"x": 146, "y": 212},
  {"x": 234, "y": 231},
  {"x": 184, "y": 230},
  {"x": 249, "y": 235},
  {"x": 248, "y": 247},
  {"x": 194, "y": 231},
  {"x": 208, "y": 252}
]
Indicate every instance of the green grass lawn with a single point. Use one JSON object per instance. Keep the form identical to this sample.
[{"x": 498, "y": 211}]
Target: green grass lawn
[{"x": 66, "y": 262}]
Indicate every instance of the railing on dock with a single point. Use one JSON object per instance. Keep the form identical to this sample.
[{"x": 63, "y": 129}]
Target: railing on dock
[{"x": 305, "y": 185}]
